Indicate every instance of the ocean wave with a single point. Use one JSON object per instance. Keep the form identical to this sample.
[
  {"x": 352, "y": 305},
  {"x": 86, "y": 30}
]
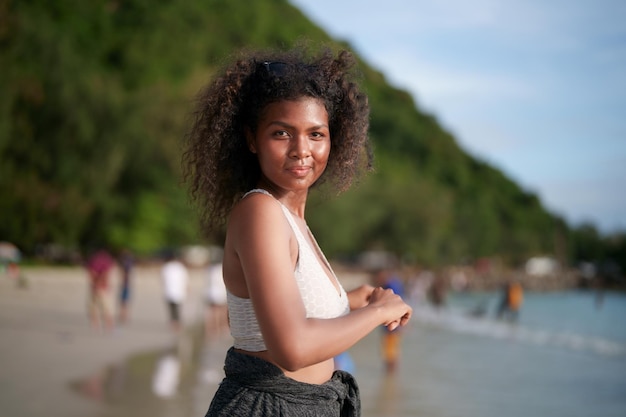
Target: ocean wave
[{"x": 461, "y": 322}]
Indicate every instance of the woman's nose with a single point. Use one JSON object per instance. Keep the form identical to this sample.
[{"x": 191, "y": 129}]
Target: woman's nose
[{"x": 301, "y": 147}]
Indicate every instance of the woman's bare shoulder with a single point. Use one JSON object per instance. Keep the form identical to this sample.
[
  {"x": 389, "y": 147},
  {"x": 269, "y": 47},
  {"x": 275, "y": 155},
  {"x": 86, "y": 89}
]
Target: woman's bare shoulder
[
  {"x": 255, "y": 205},
  {"x": 256, "y": 212}
]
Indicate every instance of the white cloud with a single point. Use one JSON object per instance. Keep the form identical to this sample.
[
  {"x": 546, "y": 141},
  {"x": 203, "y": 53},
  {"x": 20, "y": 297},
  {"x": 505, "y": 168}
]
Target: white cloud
[{"x": 427, "y": 78}]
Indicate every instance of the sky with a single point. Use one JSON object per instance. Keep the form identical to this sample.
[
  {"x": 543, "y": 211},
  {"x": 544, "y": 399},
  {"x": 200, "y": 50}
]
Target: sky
[{"x": 536, "y": 88}]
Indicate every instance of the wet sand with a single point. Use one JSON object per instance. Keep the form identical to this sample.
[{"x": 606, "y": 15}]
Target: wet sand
[{"x": 46, "y": 342}]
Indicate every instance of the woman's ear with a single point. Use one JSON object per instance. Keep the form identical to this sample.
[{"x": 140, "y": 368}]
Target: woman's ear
[{"x": 250, "y": 140}]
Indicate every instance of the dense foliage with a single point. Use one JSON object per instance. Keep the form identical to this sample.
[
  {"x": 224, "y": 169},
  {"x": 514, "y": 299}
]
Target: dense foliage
[{"x": 94, "y": 101}]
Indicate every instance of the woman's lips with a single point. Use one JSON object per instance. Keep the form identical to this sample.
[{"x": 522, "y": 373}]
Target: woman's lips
[{"x": 300, "y": 171}]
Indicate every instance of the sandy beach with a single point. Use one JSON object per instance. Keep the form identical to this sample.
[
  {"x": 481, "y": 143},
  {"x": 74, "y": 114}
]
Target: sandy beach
[{"x": 46, "y": 341}]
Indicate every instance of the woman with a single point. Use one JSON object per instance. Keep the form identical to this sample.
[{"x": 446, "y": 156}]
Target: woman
[{"x": 266, "y": 130}]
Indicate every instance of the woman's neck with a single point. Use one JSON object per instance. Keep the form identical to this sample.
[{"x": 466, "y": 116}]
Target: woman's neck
[{"x": 295, "y": 201}]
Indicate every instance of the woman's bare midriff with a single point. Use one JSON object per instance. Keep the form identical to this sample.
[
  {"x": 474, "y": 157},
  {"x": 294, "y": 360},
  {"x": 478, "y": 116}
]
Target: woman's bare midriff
[{"x": 314, "y": 374}]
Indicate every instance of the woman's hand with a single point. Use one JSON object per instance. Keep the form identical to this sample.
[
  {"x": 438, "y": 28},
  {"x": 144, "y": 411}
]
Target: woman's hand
[
  {"x": 395, "y": 311},
  {"x": 360, "y": 296}
]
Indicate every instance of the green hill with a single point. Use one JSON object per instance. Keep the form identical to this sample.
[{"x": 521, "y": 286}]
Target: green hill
[{"x": 93, "y": 107}]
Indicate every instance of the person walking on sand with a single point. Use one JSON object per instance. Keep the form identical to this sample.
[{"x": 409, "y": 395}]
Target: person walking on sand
[
  {"x": 127, "y": 263},
  {"x": 271, "y": 126},
  {"x": 174, "y": 276},
  {"x": 99, "y": 267}
]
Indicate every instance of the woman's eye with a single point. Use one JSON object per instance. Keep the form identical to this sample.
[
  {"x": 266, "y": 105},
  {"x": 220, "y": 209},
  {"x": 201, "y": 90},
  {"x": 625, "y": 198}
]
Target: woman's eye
[
  {"x": 317, "y": 136},
  {"x": 281, "y": 133}
]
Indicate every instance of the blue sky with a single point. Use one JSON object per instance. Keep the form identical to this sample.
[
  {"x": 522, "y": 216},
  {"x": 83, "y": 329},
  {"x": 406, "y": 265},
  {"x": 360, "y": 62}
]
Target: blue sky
[{"x": 535, "y": 88}]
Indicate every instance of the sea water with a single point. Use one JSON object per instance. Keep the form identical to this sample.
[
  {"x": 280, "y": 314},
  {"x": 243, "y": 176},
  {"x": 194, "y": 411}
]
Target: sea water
[{"x": 564, "y": 356}]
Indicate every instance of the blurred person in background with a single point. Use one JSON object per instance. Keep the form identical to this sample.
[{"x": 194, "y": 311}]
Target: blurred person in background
[
  {"x": 10, "y": 257},
  {"x": 127, "y": 263},
  {"x": 216, "y": 320},
  {"x": 511, "y": 301},
  {"x": 100, "y": 305},
  {"x": 437, "y": 292},
  {"x": 391, "y": 339},
  {"x": 174, "y": 277}
]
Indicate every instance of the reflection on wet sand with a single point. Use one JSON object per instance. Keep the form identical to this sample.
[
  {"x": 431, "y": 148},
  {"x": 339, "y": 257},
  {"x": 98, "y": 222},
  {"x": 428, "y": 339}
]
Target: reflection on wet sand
[
  {"x": 166, "y": 376},
  {"x": 176, "y": 382},
  {"x": 389, "y": 394}
]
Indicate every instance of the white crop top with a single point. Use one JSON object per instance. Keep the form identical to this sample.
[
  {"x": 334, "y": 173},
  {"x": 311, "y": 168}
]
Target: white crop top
[{"x": 320, "y": 297}]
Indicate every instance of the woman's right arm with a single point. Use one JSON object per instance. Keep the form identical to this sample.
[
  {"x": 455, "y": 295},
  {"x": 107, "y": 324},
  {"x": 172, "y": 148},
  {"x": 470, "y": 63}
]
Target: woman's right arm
[{"x": 267, "y": 251}]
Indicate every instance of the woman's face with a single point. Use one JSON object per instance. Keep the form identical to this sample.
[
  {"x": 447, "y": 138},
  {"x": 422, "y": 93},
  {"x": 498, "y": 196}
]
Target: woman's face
[{"x": 292, "y": 143}]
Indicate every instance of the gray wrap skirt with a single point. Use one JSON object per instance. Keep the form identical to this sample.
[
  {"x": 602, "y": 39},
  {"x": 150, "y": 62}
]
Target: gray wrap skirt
[{"x": 254, "y": 387}]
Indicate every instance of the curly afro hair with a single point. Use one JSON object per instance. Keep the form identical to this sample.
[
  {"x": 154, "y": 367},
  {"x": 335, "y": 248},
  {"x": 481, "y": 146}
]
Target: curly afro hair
[{"x": 217, "y": 163}]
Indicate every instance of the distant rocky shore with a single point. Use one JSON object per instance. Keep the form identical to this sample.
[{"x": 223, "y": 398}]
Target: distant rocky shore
[{"x": 493, "y": 279}]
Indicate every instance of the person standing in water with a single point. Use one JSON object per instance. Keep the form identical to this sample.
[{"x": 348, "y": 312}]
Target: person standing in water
[
  {"x": 511, "y": 301},
  {"x": 271, "y": 126},
  {"x": 392, "y": 339}
]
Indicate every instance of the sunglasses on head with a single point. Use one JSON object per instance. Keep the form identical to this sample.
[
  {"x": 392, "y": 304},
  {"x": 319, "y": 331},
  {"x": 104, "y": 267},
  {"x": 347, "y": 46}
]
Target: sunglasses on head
[{"x": 275, "y": 68}]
